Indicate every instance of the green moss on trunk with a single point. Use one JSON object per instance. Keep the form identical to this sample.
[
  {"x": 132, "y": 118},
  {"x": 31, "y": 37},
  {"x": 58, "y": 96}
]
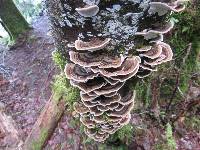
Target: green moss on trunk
[{"x": 14, "y": 22}]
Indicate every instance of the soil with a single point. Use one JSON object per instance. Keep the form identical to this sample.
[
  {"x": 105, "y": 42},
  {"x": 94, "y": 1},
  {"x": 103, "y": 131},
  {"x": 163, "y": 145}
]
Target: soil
[{"x": 27, "y": 72}]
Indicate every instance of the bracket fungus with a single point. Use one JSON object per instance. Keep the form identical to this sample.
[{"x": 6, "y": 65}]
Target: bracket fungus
[
  {"x": 88, "y": 11},
  {"x": 93, "y": 45},
  {"x": 109, "y": 45},
  {"x": 162, "y": 8}
]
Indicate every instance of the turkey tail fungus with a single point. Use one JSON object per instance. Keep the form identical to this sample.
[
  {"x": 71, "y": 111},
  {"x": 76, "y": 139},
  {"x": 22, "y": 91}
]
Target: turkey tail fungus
[{"x": 110, "y": 44}]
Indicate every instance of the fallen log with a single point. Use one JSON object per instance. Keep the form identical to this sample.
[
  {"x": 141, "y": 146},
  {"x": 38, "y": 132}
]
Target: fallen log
[{"x": 45, "y": 125}]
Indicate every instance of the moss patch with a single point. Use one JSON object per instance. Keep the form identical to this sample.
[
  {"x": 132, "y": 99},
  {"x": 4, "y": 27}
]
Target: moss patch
[
  {"x": 62, "y": 89},
  {"x": 39, "y": 144}
]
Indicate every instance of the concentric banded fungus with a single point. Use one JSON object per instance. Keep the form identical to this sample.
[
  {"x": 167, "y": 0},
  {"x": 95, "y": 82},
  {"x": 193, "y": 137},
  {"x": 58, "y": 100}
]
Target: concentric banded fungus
[
  {"x": 96, "y": 59},
  {"x": 157, "y": 33},
  {"x": 153, "y": 53},
  {"x": 80, "y": 108},
  {"x": 93, "y": 45},
  {"x": 165, "y": 56},
  {"x": 79, "y": 74},
  {"x": 87, "y": 122},
  {"x": 128, "y": 66},
  {"x": 107, "y": 89},
  {"x": 114, "y": 45},
  {"x": 90, "y": 85},
  {"x": 102, "y": 100}
]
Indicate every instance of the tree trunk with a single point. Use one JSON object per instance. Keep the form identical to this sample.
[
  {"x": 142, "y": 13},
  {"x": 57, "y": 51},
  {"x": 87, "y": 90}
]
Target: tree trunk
[
  {"x": 88, "y": 32},
  {"x": 12, "y": 20},
  {"x": 45, "y": 125}
]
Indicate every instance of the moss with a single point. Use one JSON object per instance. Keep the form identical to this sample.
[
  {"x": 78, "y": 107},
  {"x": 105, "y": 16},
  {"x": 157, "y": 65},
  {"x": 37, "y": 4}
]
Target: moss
[
  {"x": 59, "y": 60},
  {"x": 106, "y": 147},
  {"x": 13, "y": 21},
  {"x": 169, "y": 137},
  {"x": 168, "y": 143},
  {"x": 39, "y": 144},
  {"x": 193, "y": 123},
  {"x": 143, "y": 91},
  {"x": 122, "y": 136},
  {"x": 62, "y": 89}
]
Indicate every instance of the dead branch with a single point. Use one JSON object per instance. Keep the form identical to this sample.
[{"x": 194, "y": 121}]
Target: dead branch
[
  {"x": 9, "y": 135},
  {"x": 174, "y": 91},
  {"x": 185, "y": 108}
]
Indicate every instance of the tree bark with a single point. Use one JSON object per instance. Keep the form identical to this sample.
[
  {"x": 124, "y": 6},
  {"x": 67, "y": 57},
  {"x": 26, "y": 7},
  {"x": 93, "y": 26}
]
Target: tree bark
[
  {"x": 45, "y": 125},
  {"x": 12, "y": 20}
]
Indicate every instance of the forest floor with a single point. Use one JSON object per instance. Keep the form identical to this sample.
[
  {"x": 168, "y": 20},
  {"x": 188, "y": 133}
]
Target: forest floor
[{"x": 26, "y": 73}]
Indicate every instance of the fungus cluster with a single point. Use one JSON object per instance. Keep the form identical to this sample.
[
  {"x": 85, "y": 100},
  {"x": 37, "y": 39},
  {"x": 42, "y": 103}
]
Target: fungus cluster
[
  {"x": 95, "y": 32},
  {"x": 105, "y": 106}
]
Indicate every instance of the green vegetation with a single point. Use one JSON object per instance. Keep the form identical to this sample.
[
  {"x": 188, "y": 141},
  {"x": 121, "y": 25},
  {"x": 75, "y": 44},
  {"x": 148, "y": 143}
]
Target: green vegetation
[
  {"x": 38, "y": 145},
  {"x": 187, "y": 32},
  {"x": 61, "y": 86},
  {"x": 169, "y": 142},
  {"x": 193, "y": 123},
  {"x": 169, "y": 138},
  {"x": 185, "y": 42},
  {"x": 143, "y": 91},
  {"x": 59, "y": 60},
  {"x": 123, "y": 135},
  {"x": 62, "y": 89}
]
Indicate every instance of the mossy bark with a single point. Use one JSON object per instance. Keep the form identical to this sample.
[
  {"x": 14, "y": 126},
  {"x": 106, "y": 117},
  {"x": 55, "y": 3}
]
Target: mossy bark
[
  {"x": 45, "y": 125},
  {"x": 13, "y": 21}
]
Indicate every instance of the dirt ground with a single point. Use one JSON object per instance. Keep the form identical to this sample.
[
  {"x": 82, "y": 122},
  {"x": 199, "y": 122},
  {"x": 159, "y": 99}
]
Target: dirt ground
[{"x": 27, "y": 74}]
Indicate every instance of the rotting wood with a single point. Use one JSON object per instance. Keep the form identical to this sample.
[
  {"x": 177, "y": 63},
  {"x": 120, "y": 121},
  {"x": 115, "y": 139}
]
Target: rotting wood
[
  {"x": 9, "y": 134},
  {"x": 45, "y": 125}
]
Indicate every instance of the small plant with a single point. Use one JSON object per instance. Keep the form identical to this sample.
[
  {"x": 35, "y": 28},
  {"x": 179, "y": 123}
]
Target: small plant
[
  {"x": 193, "y": 123},
  {"x": 123, "y": 135},
  {"x": 169, "y": 137},
  {"x": 168, "y": 143}
]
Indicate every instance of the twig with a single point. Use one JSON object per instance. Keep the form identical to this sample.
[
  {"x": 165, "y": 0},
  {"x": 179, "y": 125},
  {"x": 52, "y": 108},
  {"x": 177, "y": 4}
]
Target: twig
[
  {"x": 188, "y": 50},
  {"x": 186, "y": 107},
  {"x": 174, "y": 91}
]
